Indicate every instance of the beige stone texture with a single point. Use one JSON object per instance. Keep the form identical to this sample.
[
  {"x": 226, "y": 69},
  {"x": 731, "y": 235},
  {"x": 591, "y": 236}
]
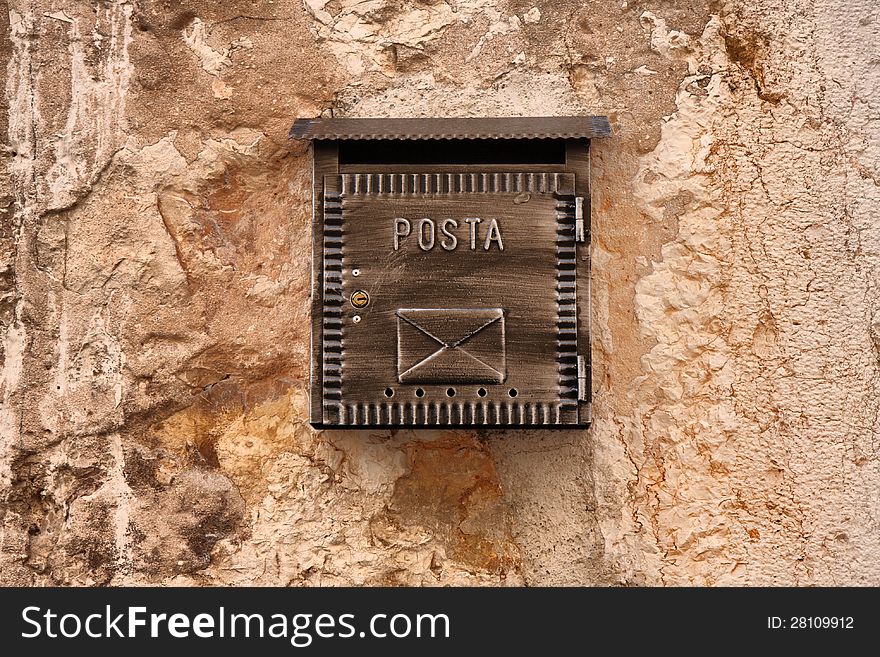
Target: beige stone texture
[{"x": 154, "y": 311}]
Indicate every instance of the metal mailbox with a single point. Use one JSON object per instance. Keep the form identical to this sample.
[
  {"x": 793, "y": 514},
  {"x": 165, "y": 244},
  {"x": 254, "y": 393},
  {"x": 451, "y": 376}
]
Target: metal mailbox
[{"x": 450, "y": 277}]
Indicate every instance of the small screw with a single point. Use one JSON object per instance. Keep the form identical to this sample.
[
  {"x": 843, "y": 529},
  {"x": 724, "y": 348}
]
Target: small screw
[
  {"x": 359, "y": 299},
  {"x": 355, "y": 272},
  {"x": 356, "y": 319}
]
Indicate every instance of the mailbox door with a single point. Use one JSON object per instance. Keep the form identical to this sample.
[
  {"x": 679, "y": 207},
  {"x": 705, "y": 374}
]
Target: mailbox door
[{"x": 449, "y": 298}]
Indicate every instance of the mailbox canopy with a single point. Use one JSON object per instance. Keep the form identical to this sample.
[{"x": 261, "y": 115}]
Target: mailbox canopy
[{"x": 549, "y": 127}]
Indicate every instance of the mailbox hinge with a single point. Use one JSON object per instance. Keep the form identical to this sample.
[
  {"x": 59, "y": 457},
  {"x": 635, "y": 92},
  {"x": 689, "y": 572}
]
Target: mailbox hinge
[
  {"x": 579, "y": 228},
  {"x": 583, "y": 379}
]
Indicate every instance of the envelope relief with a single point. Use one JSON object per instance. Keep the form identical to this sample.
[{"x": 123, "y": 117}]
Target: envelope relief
[{"x": 451, "y": 345}]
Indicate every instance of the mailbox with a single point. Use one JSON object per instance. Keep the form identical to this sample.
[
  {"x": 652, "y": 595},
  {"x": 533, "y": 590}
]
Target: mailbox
[{"x": 451, "y": 271}]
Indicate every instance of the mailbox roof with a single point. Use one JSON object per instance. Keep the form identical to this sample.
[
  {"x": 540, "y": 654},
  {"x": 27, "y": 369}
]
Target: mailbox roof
[{"x": 552, "y": 127}]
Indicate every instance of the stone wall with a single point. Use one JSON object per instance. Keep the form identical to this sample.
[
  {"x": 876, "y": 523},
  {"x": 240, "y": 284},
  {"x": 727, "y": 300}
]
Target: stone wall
[{"x": 154, "y": 257}]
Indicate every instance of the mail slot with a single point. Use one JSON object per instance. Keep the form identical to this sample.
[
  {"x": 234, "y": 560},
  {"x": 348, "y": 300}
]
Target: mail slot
[{"x": 451, "y": 271}]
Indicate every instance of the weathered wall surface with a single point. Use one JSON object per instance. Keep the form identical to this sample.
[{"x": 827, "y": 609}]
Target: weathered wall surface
[{"x": 154, "y": 311}]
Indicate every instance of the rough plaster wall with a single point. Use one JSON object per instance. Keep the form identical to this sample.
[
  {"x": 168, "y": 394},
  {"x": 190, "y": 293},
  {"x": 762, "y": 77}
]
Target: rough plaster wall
[{"x": 154, "y": 281}]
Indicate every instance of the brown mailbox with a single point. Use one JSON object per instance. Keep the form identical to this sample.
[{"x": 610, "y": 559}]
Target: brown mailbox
[{"x": 451, "y": 271}]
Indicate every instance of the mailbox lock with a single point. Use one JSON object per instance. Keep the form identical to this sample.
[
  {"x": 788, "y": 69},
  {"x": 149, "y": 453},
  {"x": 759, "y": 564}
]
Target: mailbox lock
[{"x": 359, "y": 299}]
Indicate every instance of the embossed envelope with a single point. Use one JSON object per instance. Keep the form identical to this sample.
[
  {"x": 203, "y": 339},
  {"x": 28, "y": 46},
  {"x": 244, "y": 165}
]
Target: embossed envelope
[{"x": 451, "y": 345}]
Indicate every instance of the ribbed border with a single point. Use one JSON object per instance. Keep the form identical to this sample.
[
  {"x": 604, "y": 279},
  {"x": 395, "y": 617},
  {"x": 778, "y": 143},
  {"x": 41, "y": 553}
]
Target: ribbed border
[
  {"x": 374, "y": 184},
  {"x": 566, "y": 302},
  {"x": 333, "y": 300},
  {"x": 441, "y": 413}
]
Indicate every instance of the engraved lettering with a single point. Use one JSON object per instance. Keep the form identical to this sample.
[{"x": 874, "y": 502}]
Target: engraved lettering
[
  {"x": 450, "y": 233},
  {"x": 426, "y": 243},
  {"x": 493, "y": 234},
  {"x": 472, "y": 222},
  {"x": 398, "y": 224},
  {"x": 452, "y": 242}
]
